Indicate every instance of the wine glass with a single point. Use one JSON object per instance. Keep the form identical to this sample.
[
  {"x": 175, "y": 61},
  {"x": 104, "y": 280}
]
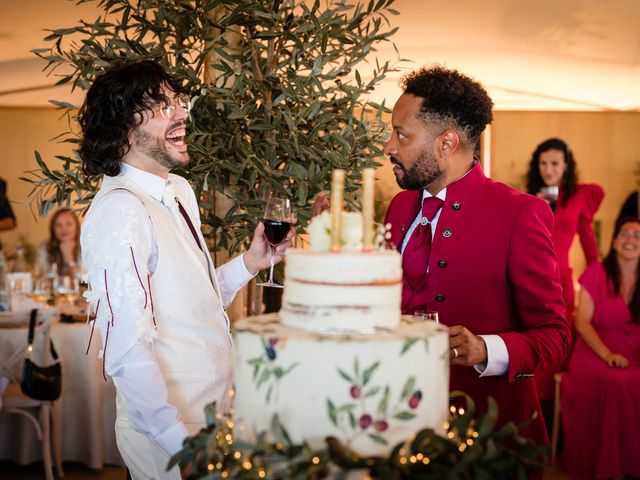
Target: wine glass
[
  {"x": 277, "y": 221},
  {"x": 550, "y": 194}
]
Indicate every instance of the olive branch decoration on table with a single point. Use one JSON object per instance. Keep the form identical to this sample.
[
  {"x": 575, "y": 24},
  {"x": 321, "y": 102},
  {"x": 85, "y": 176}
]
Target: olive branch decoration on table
[{"x": 473, "y": 448}]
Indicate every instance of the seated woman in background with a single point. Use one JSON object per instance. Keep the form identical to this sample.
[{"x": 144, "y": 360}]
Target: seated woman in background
[
  {"x": 601, "y": 389},
  {"x": 553, "y": 176},
  {"x": 61, "y": 253}
]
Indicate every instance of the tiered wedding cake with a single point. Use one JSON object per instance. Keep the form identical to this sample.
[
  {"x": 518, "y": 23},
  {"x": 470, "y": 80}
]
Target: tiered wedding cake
[{"x": 341, "y": 362}]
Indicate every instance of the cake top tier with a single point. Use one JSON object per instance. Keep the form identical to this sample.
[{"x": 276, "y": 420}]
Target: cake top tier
[{"x": 383, "y": 267}]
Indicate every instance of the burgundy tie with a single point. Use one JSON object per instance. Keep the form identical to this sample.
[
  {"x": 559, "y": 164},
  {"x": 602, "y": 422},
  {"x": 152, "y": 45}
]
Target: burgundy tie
[{"x": 415, "y": 257}]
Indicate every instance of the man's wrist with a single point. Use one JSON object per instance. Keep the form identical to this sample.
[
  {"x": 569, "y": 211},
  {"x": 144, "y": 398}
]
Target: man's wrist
[{"x": 250, "y": 263}]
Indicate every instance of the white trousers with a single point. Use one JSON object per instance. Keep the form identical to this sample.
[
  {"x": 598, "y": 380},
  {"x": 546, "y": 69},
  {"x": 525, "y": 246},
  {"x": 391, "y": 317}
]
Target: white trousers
[{"x": 143, "y": 457}]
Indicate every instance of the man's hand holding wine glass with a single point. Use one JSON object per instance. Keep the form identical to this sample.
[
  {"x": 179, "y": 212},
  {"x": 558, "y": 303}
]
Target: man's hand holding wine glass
[
  {"x": 258, "y": 257},
  {"x": 271, "y": 238}
]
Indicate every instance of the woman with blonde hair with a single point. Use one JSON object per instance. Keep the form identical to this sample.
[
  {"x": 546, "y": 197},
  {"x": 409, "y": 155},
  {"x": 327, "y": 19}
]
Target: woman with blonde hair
[{"x": 60, "y": 254}]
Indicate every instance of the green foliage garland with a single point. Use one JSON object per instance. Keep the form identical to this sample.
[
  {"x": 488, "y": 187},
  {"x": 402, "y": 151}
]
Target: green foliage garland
[{"x": 472, "y": 449}]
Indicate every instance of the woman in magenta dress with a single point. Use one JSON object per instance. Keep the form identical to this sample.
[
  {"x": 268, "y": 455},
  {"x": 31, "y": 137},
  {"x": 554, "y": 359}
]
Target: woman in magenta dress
[
  {"x": 552, "y": 175},
  {"x": 601, "y": 389}
]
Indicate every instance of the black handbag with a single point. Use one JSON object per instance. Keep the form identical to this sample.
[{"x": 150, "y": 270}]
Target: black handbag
[{"x": 40, "y": 383}]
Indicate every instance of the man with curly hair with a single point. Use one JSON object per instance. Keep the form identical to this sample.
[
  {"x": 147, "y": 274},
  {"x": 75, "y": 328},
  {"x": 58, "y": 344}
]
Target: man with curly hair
[
  {"x": 475, "y": 250},
  {"x": 158, "y": 298}
]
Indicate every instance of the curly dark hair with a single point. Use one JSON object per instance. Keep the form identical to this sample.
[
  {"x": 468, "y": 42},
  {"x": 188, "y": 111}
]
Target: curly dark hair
[
  {"x": 113, "y": 106},
  {"x": 610, "y": 264},
  {"x": 569, "y": 182},
  {"x": 452, "y": 98}
]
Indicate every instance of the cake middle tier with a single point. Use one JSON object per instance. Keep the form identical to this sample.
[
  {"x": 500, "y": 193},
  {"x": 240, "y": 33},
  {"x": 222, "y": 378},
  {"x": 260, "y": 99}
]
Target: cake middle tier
[{"x": 343, "y": 292}]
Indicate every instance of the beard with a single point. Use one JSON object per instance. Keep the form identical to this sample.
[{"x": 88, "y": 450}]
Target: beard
[
  {"x": 422, "y": 173},
  {"x": 156, "y": 148}
]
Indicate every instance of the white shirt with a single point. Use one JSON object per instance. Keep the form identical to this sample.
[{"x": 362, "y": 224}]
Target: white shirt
[
  {"x": 117, "y": 230},
  {"x": 497, "y": 353}
]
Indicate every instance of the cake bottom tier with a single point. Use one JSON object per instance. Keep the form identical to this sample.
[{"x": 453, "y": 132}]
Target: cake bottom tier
[{"x": 369, "y": 391}]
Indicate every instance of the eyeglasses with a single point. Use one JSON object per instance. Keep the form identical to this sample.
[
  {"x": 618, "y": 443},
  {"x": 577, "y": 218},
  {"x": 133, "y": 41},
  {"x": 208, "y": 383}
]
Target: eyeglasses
[
  {"x": 180, "y": 101},
  {"x": 628, "y": 234}
]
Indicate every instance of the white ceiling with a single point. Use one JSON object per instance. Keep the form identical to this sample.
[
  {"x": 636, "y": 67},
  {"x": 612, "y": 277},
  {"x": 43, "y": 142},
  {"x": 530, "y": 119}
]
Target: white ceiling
[{"x": 530, "y": 54}]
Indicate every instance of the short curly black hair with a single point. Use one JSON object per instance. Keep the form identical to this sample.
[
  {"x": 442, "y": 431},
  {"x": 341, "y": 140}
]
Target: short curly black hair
[
  {"x": 113, "y": 106},
  {"x": 451, "y": 98}
]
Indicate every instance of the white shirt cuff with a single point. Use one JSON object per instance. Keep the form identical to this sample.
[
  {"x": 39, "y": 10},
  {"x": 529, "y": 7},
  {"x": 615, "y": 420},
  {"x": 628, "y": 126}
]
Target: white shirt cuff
[
  {"x": 171, "y": 439},
  {"x": 244, "y": 271},
  {"x": 497, "y": 357},
  {"x": 232, "y": 276}
]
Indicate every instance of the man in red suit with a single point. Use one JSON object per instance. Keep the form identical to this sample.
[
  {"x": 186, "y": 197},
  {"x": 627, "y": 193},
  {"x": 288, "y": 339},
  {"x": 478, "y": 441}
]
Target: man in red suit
[{"x": 482, "y": 256}]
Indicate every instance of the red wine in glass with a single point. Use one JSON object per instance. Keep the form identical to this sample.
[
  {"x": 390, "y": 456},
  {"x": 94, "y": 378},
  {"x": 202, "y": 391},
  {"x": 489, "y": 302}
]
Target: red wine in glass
[
  {"x": 275, "y": 231},
  {"x": 277, "y": 219}
]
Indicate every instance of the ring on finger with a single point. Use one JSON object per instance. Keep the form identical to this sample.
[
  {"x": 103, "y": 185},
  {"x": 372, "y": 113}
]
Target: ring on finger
[{"x": 455, "y": 352}]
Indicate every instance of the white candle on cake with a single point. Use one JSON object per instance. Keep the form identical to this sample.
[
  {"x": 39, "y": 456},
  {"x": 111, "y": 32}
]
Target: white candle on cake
[{"x": 337, "y": 194}]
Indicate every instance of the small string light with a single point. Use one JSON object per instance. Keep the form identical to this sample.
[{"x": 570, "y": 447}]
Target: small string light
[
  {"x": 315, "y": 460},
  {"x": 426, "y": 460},
  {"x": 210, "y": 467}
]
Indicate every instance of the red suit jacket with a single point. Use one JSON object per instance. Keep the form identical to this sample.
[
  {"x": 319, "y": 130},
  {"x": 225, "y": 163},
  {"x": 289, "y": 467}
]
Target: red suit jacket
[{"x": 493, "y": 269}]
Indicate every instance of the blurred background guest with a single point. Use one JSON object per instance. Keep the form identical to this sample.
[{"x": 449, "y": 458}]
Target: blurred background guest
[
  {"x": 553, "y": 176},
  {"x": 7, "y": 218},
  {"x": 61, "y": 252},
  {"x": 601, "y": 389}
]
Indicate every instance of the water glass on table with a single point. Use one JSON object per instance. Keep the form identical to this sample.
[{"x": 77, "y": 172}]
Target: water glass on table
[{"x": 422, "y": 315}]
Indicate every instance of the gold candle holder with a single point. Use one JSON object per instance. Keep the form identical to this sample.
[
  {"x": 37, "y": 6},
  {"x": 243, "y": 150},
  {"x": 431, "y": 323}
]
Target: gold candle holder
[
  {"x": 337, "y": 195},
  {"x": 368, "y": 197}
]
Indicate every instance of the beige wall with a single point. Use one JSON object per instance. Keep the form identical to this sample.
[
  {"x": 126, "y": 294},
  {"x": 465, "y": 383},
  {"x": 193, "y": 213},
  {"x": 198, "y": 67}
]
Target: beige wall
[{"x": 23, "y": 130}]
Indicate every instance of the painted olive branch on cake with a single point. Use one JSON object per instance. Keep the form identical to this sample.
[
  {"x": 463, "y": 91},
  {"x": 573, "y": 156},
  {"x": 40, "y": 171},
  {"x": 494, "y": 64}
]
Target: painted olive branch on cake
[
  {"x": 265, "y": 370},
  {"x": 357, "y": 417}
]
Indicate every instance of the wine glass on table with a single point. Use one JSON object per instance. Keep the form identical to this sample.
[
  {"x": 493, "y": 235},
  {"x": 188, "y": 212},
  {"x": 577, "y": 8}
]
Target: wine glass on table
[{"x": 277, "y": 220}]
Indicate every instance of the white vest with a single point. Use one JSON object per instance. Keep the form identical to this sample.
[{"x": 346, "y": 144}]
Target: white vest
[{"x": 193, "y": 346}]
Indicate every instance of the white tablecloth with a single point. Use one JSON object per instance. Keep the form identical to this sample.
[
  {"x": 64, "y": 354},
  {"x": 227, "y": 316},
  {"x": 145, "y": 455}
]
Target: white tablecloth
[{"x": 86, "y": 409}]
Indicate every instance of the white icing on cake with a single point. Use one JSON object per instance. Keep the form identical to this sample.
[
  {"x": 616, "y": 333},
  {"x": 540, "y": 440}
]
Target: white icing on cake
[
  {"x": 342, "y": 292},
  {"x": 370, "y": 391}
]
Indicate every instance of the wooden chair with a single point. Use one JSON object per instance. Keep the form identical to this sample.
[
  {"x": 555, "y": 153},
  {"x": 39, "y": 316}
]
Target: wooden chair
[
  {"x": 14, "y": 328},
  {"x": 557, "y": 404}
]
